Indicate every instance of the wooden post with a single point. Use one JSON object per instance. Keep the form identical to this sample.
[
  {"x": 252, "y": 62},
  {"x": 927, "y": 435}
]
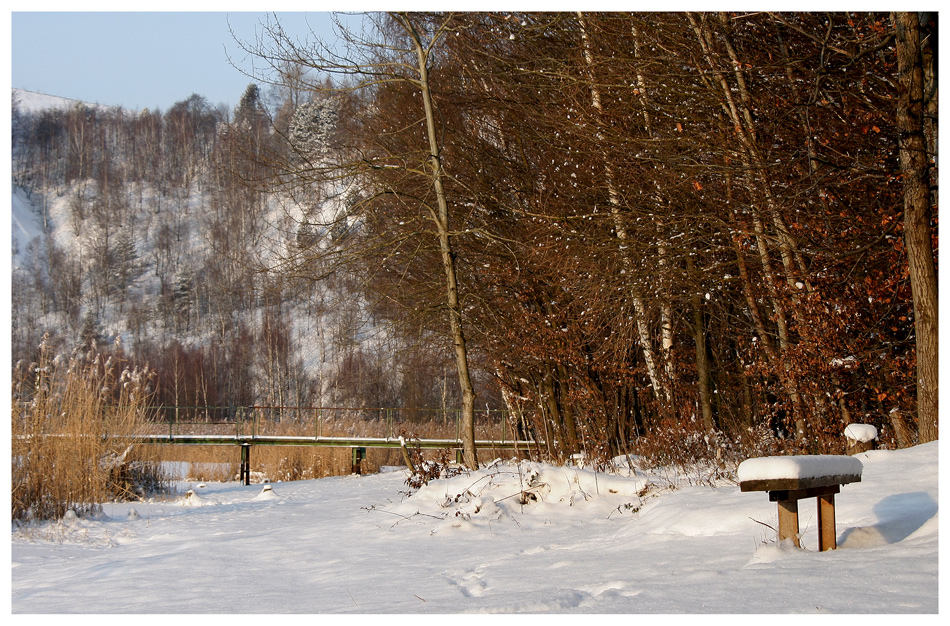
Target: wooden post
[
  {"x": 826, "y": 523},
  {"x": 860, "y": 438},
  {"x": 857, "y": 447},
  {"x": 788, "y": 521},
  {"x": 787, "y": 500}
]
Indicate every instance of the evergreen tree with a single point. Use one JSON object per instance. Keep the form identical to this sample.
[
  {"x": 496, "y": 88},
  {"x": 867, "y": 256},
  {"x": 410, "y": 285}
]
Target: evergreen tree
[
  {"x": 126, "y": 266},
  {"x": 249, "y": 108},
  {"x": 312, "y": 126},
  {"x": 183, "y": 297},
  {"x": 91, "y": 332}
]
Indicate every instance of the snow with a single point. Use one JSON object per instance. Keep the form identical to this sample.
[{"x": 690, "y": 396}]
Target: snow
[
  {"x": 34, "y": 102},
  {"x": 510, "y": 538},
  {"x": 810, "y": 466},
  {"x": 860, "y": 432},
  {"x": 27, "y": 228}
]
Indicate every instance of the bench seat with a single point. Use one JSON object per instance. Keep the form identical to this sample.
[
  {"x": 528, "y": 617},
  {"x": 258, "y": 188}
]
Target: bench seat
[
  {"x": 789, "y": 479},
  {"x": 803, "y": 469}
]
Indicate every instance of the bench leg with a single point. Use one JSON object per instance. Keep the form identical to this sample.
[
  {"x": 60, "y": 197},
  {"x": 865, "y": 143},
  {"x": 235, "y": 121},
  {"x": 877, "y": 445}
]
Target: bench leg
[
  {"x": 826, "y": 523},
  {"x": 788, "y": 521}
]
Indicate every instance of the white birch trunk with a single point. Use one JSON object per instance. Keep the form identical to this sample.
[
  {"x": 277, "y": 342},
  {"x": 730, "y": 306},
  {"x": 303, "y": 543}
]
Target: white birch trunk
[{"x": 643, "y": 332}]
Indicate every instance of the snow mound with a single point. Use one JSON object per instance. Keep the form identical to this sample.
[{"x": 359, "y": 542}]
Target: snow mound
[
  {"x": 797, "y": 467},
  {"x": 267, "y": 493},
  {"x": 506, "y": 490},
  {"x": 192, "y": 499},
  {"x": 861, "y": 432}
]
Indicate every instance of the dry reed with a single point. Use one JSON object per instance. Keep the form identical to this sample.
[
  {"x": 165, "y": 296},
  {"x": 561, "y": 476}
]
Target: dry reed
[
  {"x": 73, "y": 427},
  {"x": 75, "y": 422}
]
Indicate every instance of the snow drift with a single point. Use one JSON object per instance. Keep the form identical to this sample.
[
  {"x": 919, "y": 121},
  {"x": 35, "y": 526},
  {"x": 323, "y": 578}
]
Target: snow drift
[{"x": 509, "y": 538}]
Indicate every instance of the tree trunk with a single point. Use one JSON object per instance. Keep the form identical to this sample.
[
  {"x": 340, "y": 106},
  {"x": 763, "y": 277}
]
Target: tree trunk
[
  {"x": 570, "y": 425},
  {"x": 660, "y": 387},
  {"x": 553, "y": 412},
  {"x": 702, "y": 362},
  {"x": 738, "y": 110},
  {"x": 441, "y": 220},
  {"x": 917, "y": 217}
]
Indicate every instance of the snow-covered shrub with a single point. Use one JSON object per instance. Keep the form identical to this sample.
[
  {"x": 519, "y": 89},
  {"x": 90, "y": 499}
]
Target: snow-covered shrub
[
  {"x": 505, "y": 491},
  {"x": 427, "y": 470}
]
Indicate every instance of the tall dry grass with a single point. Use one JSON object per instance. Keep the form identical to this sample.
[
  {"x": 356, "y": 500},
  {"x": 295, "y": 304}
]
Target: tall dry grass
[{"x": 73, "y": 428}]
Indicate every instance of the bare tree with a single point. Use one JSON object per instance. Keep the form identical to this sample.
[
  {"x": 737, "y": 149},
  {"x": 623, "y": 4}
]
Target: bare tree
[{"x": 401, "y": 51}]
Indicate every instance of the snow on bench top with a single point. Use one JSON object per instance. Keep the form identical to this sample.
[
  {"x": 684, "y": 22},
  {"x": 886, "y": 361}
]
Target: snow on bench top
[
  {"x": 798, "y": 467},
  {"x": 861, "y": 432}
]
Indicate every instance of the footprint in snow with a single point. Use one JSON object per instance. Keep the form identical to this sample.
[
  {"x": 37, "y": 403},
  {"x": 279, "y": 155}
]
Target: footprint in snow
[{"x": 470, "y": 583}]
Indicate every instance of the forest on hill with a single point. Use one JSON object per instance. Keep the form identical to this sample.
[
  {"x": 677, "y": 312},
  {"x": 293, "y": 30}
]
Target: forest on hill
[{"x": 675, "y": 233}]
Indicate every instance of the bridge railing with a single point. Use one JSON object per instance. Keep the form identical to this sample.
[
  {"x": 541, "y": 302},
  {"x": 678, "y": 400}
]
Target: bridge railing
[{"x": 312, "y": 421}]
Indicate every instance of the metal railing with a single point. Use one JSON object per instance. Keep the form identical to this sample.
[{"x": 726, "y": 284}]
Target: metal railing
[{"x": 265, "y": 422}]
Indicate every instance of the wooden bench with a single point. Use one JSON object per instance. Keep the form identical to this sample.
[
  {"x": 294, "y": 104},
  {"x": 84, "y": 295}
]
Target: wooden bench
[{"x": 789, "y": 479}]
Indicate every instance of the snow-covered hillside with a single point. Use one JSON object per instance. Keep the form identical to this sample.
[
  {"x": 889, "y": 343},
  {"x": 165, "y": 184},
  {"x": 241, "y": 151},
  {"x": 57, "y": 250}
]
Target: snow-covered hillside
[
  {"x": 585, "y": 542},
  {"x": 139, "y": 259},
  {"x": 27, "y": 228},
  {"x": 33, "y": 102},
  {"x": 150, "y": 216}
]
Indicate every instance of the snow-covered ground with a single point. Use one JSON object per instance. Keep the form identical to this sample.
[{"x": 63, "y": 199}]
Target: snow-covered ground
[{"x": 507, "y": 539}]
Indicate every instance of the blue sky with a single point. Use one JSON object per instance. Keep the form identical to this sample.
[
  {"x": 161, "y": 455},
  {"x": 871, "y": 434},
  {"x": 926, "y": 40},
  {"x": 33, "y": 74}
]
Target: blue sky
[{"x": 140, "y": 59}]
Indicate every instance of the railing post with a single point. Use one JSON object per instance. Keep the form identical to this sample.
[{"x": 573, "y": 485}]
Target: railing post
[
  {"x": 358, "y": 456},
  {"x": 246, "y": 463}
]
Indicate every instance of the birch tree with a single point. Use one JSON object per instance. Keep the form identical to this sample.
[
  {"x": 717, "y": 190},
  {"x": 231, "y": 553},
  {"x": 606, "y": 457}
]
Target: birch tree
[{"x": 660, "y": 385}]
